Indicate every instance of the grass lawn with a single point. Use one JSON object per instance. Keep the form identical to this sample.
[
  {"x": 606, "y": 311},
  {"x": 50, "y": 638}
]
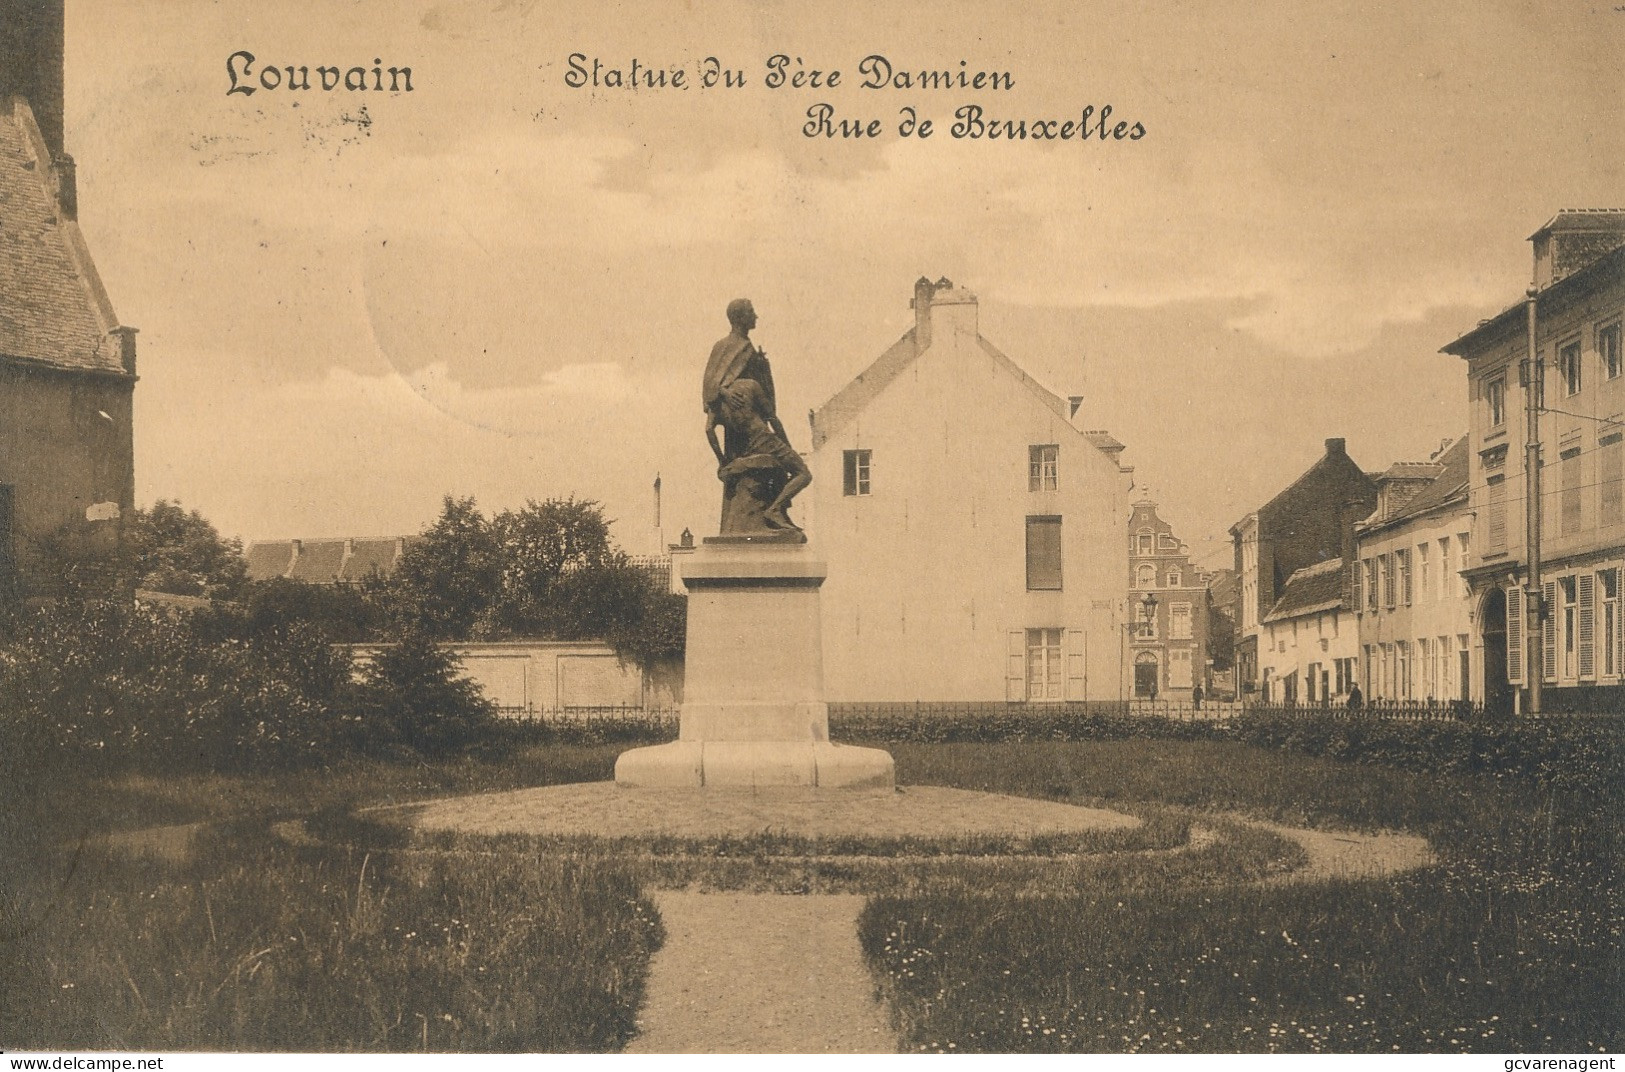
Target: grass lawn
[{"x": 1511, "y": 943}]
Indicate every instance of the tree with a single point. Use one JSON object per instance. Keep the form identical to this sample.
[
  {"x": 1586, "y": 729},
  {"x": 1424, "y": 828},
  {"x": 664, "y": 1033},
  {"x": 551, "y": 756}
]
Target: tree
[
  {"x": 170, "y": 549},
  {"x": 448, "y": 579},
  {"x": 413, "y": 694},
  {"x": 539, "y": 544},
  {"x": 344, "y": 613}
]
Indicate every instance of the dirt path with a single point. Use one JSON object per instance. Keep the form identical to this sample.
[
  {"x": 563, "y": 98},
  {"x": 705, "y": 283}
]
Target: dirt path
[{"x": 761, "y": 973}]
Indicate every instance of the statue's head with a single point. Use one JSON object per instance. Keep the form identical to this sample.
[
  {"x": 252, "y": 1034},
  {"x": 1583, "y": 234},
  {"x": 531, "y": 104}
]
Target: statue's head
[{"x": 741, "y": 314}]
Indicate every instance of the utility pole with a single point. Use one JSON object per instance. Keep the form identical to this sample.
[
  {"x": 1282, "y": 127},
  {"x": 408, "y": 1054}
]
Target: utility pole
[{"x": 1533, "y": 596}]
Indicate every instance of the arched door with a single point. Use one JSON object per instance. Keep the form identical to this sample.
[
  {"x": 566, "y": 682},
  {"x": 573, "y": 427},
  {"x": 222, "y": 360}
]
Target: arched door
[{"x": 1145, "y": 675}]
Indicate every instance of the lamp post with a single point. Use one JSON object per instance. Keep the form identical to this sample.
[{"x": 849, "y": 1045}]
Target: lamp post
[{"x": 1149, "y": 623}]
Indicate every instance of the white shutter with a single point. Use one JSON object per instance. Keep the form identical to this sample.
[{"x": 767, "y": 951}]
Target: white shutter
[
  {"x": 1588, "y": 610},
  {"x": 1074, "y": 652},
  {"x": 1015, "y": 672},
  {"x": 1548, "y": 631},
  {"x": 1515, "y": 635}
]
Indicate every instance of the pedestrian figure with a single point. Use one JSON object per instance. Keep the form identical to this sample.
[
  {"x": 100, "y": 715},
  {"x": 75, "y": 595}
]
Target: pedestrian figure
[
  {"x": 1356, "y": 700},
  {"x": 1196, "y": 697}
]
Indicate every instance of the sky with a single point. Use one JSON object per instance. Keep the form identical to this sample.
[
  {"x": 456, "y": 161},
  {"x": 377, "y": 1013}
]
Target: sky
[{"x": 501, "y": 285}]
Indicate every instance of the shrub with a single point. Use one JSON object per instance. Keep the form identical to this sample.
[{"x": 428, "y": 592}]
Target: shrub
[
  {"x": 107, "y": 684},
  {"x": 412, "y": 696}
]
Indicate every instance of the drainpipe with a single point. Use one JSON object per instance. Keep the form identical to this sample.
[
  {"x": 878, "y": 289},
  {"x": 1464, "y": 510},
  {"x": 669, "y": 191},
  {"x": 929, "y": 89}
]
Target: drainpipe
[{"x": 1534, "y": 611}]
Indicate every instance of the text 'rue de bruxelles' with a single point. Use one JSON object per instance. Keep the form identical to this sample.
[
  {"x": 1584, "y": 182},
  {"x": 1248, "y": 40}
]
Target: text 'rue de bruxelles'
[{"x": 874, "y": 72}]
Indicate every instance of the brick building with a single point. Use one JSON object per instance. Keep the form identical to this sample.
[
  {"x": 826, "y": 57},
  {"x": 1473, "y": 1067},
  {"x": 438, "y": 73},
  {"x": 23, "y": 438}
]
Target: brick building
[
  {"x": 67, "y": 366},
  {"x": 1168, "y": 602},
  {"x": 1309, "y": 523}
]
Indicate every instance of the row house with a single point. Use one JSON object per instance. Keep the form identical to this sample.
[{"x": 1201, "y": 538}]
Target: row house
[
  {"x": 1307, "y": 525},
  {"x": 1308, "y": 642},
  {"x": 973, "y": 532},
  {"x": 1411, "y": 603},
  {"x": 1168, "y": 604},
  {"x": 1568, "y": 629}
]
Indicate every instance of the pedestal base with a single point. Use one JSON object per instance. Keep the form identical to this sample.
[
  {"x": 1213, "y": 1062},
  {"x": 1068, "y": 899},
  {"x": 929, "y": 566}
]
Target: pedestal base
[{"x": 698, "y": 764}]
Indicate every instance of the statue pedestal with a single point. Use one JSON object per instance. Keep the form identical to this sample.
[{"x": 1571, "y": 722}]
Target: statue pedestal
[{"x": 753, "y": 711}]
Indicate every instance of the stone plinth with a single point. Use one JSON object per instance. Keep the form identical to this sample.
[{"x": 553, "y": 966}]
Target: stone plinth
[{"x": 753, "y": 712}]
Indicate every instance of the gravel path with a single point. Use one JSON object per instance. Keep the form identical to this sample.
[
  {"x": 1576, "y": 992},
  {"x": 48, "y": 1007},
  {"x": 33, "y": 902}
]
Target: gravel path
[{"x": 761, "y": 973}]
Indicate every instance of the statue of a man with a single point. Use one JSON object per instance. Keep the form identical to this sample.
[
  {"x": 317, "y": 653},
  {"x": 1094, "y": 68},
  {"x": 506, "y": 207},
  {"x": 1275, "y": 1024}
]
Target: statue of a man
[{"x": 760, "y": 472}]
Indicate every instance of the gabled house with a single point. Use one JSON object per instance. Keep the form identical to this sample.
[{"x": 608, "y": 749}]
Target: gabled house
[
  {"x": 1168, "y": 601},
  {"x": 67, "y": 366},
  {"x": 1307, "y": 524},
  {"x": 973, "y": 533}
]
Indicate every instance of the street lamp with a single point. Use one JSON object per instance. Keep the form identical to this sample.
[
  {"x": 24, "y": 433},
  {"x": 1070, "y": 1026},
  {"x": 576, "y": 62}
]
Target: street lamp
[{"x": 1149, "y": 603}]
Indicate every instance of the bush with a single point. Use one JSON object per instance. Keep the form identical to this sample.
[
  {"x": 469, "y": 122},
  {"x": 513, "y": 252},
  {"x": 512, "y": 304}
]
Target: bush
[{"x": 111, "y": 685}]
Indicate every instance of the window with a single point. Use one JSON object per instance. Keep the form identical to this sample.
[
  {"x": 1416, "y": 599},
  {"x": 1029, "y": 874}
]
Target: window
[
  {"x": 1145, "y": 575},
  {"x": 856, "y": 475},
  {"x": 1463, "y": 589},
  {"x": 1495, "y": 397},
  {"x": 1043, "y": 664},
  {"x": 1402, "y": 564},
  {"x": 1402, "y": 669},
  {"x": 1608, "y": 583},
  {"x": 1179, "y": 668},
  {"x": 1041, "y": 464},
  {"x": 1179, "y": 621},
  {"x": 1444, "y": 568},
  {"x": 1385, "y": 566},
  {"x": 1447, "y": 690},
  {"x": 1422, "y": 586},
  {"x": 1370, "y": 584},
  {"x": 1570, "y": 472},
  {"x": 1496, "y": 491},
  {"x": 1608, "y": 350},
  {"x": 1044, "y": 554},
  {"x": 1611, "y": 478},
  {"x": 1428, "y": 668},
  {"x": 1568, "y": 366},
  {"x": 1174, "y": 579}
]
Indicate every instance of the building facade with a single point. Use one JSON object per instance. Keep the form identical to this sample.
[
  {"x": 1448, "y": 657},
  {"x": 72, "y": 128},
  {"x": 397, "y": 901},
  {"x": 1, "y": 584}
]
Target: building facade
[
  {"x": 67, "y": 366},
  {"x": 1569, "y": 626},
  {"x": 974, "y": 534},
  {"x": 1308, "y": 642},
  {"x": 1411, "y": 602},
  {"x": 1168, "y": 605},
  {"x": 1307, "y": 524}
]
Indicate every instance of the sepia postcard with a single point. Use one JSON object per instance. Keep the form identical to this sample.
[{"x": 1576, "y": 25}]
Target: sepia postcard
[{"x": 673, "y": 526}]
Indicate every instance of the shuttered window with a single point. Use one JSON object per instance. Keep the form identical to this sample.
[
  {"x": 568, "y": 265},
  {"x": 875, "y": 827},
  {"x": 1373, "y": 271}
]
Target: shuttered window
[
  {"x": 1586, "y": 584},
  {"x": 1515, "y": 657},
  {"x": 1043, "y": 554}
]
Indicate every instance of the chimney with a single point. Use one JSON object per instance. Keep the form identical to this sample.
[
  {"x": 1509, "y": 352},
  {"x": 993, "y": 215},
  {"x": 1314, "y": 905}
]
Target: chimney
[
  {"x": 1353, "y": 511},
  {"x": 1074, "y": 401},
  {"x": 1335, "y": 446},
  {"x": 31, "y": 44},
  {"x": 922, "y": 313}
]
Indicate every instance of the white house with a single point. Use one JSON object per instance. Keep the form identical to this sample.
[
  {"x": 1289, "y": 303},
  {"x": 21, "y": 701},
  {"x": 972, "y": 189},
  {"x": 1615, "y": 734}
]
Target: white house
[
  {"x": 1308, "y": 642},
  {"x": 1414, "y": 608},
  {"x": 974, "y": 534}
]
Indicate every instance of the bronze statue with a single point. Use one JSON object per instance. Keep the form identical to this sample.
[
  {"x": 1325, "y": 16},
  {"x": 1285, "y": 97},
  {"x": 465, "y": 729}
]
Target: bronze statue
[{"x": 760, "y": 472}]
